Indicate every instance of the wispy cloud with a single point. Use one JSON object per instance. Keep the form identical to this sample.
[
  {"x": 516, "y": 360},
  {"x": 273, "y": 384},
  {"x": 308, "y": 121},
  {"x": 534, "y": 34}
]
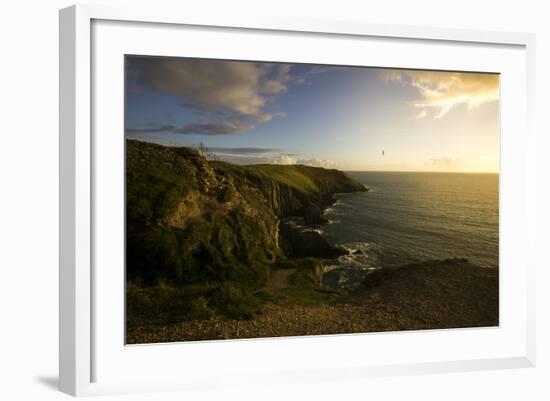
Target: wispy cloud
[
  {"x": 288, "y": 159},
  {"x": 198, "y": 129},
  {"x": 325, "y": 163},
  {"x": 302, "y": 78},
  {"x": 214, "y": 128},
  {"x": 421, "y": 114},
  {"x": 150, "y": 129},
  {"x": 283, "y": 159},
  {"x": 441, "y": 91},
  {"x": 242, "y": 150}
]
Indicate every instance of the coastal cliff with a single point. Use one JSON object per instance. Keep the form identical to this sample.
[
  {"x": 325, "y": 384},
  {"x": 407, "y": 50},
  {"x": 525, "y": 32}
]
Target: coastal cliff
[
  {"x": 214, "y": 251},
  {"x": 191, "y": 220}
]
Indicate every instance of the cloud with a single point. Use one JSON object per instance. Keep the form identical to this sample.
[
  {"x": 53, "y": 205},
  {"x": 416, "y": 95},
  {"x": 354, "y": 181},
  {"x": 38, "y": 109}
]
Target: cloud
[
  {"x": 325, "y": 163},
  {"x": 241, "y": 151},
  {"x": 239, "y": 159},
  {"x": 283, "y": 159},
  {"x": 162, "y": 128},
  {"x": 237, "y": 88},
  {"x": 265, "y": 117},
  {"x": 423, "y": 113},
  {"x": 225, "y": 128},
  {"x": 288, "y": 159},
  {"x": 214, "y": 129},
  {"x": 243, "y": 155},
  {"x": 254, "y": 155},
  {"x": 441, "y": 91},
  {"x": 302, "y": 78}
]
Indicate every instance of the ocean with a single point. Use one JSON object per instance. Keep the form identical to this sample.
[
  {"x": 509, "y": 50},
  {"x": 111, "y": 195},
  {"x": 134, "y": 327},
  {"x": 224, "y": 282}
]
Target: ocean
[{"x": 413, "y": 217}]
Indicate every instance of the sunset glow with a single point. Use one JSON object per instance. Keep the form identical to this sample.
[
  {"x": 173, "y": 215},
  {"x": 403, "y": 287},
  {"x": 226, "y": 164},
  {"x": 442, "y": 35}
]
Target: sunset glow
[{"x": 350, "y": 118}]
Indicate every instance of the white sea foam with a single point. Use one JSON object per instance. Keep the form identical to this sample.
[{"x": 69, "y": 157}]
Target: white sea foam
[
  {"x": 312, "y": 230},
  {"x": 349, "y": 270},
  {"x": 360, "y": 256},
  {"x": 327, "y": 268},
  {"x": 343, "y": 279},
  {"x": 334, "y": 208}
]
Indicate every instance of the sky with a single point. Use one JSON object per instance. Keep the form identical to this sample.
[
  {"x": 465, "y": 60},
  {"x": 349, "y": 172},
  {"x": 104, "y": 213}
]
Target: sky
[{"x": 349, "y": 118}]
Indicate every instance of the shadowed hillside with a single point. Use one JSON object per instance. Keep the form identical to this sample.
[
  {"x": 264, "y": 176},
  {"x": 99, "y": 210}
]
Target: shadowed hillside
[{"x": 213, "y": 228}]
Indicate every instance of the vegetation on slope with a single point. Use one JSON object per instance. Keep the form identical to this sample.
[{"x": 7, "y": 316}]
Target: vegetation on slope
[
  {"x": 186, "y": 224},
  {"x": 202, "y": 236}
]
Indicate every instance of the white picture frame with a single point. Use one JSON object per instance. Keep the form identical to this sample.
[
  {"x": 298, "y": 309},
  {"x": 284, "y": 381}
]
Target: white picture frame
[{"x": 79, "y": 345}]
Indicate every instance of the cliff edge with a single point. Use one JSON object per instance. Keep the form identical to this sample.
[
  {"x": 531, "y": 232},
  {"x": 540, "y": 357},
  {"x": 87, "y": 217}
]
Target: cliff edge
[{"x": 190, "y": 220}]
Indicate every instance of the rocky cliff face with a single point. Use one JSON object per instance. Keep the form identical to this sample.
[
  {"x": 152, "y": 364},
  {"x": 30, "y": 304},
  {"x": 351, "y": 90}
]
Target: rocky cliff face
[
  {"x": 190, "y": 220},
  {"x": 300, "y": 190}
]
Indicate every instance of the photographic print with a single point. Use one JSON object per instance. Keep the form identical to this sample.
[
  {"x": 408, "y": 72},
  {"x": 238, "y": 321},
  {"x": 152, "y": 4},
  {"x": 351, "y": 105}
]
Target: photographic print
[{"x": 270, "y": 199}]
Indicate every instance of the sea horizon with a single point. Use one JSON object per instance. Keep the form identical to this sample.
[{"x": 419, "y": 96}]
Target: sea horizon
[{"x": 421, "y": 171}]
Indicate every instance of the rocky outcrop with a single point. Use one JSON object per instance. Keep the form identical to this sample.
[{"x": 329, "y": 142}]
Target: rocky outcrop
[
  {"x": 313, "y": 215},
  {"x": 190, "y": 220},
  {"x": 298, "y": 243},
  {"x": 302, "y": 191}
]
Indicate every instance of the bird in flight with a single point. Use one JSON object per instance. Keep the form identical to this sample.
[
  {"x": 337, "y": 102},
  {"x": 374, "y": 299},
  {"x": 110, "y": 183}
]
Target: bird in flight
[{"x": 382, "y": 153}]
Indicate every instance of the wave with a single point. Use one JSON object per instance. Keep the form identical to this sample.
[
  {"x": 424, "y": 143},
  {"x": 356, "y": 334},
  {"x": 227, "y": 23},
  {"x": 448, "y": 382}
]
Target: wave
[
  {"x": 349, "y": 270},
  {"x": 333, "y": 208},
  {"x": 311, "y": 230},
  {"x": 328, "y": 210},
  {"x": 361, "y": 255}
]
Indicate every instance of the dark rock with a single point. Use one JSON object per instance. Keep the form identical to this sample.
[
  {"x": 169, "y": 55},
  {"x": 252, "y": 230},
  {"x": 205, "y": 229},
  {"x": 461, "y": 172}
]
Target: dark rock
[
  {"x": 225, "y": 194},
  {"x": 298, "y": 244},
  {"x": 379, "y": 276},
  {"x": 313, "y": 215},
  {"x": 344, "y": 278}
]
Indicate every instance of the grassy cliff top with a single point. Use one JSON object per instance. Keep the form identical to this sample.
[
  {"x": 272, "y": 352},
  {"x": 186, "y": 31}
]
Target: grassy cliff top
[
  {"x": 302, "y": 178},
  {"x": 162, "y": 175},
  {"x": 306, "y": 178},
  {"x": 291, "y": 175}
]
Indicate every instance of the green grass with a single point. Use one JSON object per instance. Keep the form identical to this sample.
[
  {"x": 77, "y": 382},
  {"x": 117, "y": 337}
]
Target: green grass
[
  {"x": 306, "y": 179},
  {"x": 166, "y": 303},
  {"x": 150, "y": 195},
  {"x": 154, "y": 184},
  {"x": 288, "y": 175},
  {"x": 305, "y": 284}
]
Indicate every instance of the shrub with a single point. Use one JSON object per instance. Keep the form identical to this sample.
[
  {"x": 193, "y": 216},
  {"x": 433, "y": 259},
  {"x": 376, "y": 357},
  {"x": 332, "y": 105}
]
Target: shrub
[
  {"x": 198, "y": 309},
  {"x": 235, "y": 302},
  {"x": 164, "y": 303}
]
